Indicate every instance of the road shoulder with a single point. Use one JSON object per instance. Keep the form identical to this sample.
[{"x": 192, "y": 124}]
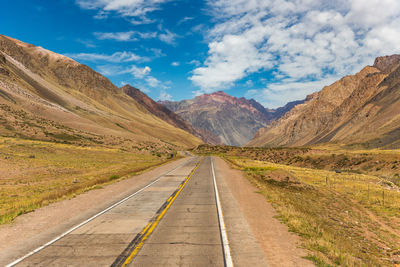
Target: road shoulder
[{"x": 279, "y": 246}]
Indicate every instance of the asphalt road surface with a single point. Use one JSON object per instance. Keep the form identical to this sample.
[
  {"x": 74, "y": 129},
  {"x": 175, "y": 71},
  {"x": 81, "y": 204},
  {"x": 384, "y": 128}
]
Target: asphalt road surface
[{"x": 179, "y": 219}]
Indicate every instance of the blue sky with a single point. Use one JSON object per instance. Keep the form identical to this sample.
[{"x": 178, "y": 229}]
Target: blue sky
[{"x": 274, "y": 51}]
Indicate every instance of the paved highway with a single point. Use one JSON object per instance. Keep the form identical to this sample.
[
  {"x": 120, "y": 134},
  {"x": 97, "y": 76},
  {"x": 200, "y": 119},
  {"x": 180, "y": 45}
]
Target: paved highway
[{"x": 185, "y": 217}]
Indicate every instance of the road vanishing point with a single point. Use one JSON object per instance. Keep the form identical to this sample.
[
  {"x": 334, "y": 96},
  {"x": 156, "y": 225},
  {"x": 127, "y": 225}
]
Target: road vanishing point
[{"x": 184, "y": 217}]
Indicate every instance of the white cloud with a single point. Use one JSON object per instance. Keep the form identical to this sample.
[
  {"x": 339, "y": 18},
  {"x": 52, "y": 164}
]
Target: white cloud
[
  {"x": 87, "y": 43},
  {"x": 175, "y": 64},
  {"x": 168, "y": 37},
  {"x": 136, "y": 10},
  {"x": 153, "y": 82},
  {"x": 164, "y": 95},
  {"x": 115, "y": 70},
  {"x": 125, "y": 36},
  {"x": 194, "y": 62},
  {"x": 157, "y": 52},
  {"x": 139, "y": 73},
  {"x": 306, "y": 43},
  {"x": 165, "y": 36},
  {"x": 146, "y": 70},
  {"x": 278, "y": 94},
  {"x": 183, "y": 20},
  {"x": 117, "y": 57}
]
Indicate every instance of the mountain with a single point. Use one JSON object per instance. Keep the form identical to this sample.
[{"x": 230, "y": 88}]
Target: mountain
[
  {"x": 358, "y": 109},
  {"x": 47, "y": 96},
  {"x": 234, "y": 120},
  {"x": 167, "y": 115}
]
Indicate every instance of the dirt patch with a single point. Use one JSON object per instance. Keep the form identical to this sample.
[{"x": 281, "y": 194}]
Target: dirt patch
[{"x": 280, "y": 247}]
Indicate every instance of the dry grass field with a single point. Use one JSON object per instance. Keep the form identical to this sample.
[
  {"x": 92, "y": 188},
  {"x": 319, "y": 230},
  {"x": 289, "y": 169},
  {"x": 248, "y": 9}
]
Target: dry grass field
[
  {"x": 344, "y": 216},
  {"x": 36, "y": 173}
]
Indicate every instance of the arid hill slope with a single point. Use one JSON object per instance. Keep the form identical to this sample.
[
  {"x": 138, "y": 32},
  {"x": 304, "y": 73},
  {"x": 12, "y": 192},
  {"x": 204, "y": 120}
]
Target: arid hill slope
[
  {"x": 167, "y": 115},
  {"x": 358, "y": 109},
  {"x": 44, "y": 95}
]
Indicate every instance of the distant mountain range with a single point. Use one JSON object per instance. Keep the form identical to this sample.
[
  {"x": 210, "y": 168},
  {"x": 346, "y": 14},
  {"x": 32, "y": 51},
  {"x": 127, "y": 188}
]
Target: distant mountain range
[
  {"x": 47, "y": 96},
  {"x": 359, "y": 109},
  {"x": 233, "y": 120},
  {"x": 167, "y": 115}
]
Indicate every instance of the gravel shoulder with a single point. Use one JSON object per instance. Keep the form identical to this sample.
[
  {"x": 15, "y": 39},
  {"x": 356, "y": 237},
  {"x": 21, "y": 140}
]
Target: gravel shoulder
[{"x": 280, "y": 247}]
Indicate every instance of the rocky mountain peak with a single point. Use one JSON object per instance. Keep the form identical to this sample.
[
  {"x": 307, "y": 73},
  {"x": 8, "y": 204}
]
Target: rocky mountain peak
[
  {"x": 386, "y": 63},
  {"x": 234, "y": 120},
  {"x": 222, "y": 98}
]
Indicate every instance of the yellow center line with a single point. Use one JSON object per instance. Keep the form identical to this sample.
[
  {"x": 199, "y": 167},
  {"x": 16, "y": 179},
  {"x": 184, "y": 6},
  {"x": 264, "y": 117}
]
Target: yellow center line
[{"x": 152, "y": 225}]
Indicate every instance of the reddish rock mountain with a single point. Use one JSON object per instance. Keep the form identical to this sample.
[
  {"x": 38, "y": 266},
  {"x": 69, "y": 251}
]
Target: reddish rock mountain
[
  {"x": 361, "y": 108},
  {"x": 234, "y": 120},
  {"x": 167, "y": 115}
]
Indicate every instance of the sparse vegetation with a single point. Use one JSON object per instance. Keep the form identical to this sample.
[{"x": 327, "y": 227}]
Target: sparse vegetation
[
  {"x": 36, "y": 173},
  {"x": 344, "y": 218}
]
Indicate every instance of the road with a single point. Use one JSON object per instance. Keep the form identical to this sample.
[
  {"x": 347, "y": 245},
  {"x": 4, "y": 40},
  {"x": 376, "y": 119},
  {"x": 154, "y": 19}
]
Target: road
[{"x": 176, "y": 220}]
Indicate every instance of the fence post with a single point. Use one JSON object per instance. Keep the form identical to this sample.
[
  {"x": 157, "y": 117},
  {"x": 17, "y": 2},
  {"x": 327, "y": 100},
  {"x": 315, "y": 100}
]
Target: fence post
[{"x": 383, "y": 196}]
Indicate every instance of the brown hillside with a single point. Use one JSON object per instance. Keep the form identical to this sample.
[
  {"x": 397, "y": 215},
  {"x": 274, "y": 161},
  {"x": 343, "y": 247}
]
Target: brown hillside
[
  {"x": 44, "y": 95},
  {"x": 165, "y": 114},
  {"x": 361, "y": 108}
]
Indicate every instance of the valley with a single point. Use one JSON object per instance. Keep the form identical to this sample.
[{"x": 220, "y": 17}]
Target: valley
[{"x": 181, "y": 182}]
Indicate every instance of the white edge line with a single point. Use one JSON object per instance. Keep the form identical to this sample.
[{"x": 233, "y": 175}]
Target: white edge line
[
  {"x": 91, "y": 218},
  {"x": 222, "y": 228}
]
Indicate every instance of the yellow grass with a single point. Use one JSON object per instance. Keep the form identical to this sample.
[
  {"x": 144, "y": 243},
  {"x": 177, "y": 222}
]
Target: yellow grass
[
  {"x": 367, "y": 189},
  {"x": 337, "y": 148},
  {"x": 36, "y": 173},
  {"x": 341, "y": 217}
]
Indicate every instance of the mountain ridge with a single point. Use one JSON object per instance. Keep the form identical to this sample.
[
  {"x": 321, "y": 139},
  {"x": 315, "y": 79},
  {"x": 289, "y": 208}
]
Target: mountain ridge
[
  {"x": 165, "y": 114},
  {"x": 234, "y": 120},
  {"x": 47, "y": 96},
  {"x": 360, "y": 108}
]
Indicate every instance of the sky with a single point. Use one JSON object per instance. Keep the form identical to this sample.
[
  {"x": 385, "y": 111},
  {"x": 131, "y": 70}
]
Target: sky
[{"x": 274, "y": 51}]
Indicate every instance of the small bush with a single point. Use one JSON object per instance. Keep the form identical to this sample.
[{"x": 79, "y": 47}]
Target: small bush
[{"x": 114, "y": 177}]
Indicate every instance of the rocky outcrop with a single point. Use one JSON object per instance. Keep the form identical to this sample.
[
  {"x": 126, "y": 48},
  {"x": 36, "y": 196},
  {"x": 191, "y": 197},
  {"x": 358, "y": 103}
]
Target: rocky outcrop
[
  {"x": 361, "y": 108},
  {"x": 386, "y": 63}
]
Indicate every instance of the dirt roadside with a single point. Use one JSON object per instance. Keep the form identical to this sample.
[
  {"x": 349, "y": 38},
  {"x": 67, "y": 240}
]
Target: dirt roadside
[
  {"x": 34, "y": 229},
  {"x": 280, "y": 247}
]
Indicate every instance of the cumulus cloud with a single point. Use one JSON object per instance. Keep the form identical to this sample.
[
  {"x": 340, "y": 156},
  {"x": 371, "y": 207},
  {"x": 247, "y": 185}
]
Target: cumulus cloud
[
  {"x": 278, "y": 94},
  {"x": 117, "y": 57},
  {"x": 136, "y": 10},
  {"x": 305, "y": 43},
  {"x": 175, "y": 64}
]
